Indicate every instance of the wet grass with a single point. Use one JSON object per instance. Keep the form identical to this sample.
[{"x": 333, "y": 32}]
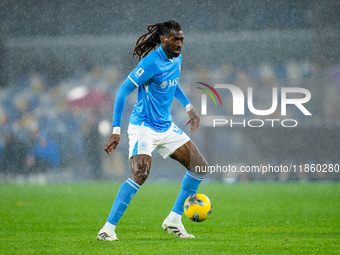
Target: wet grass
[{"x": 247, "y": 218}]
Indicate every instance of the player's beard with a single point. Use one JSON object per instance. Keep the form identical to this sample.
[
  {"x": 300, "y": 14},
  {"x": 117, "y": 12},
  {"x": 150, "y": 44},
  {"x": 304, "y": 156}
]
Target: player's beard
[
  {"x": 171, "y": 52},
  {"x": 176, "y": 54}
]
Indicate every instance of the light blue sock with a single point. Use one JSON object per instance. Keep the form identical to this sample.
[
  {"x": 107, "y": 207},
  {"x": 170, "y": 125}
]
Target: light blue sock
[
  {"x": 124, "y": 196},
  {"x": 190, "y": 184}
]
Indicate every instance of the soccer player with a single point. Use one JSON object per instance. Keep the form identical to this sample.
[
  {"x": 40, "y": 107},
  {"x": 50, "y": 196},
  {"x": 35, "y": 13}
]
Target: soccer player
[{"x": 151, "y": 127}]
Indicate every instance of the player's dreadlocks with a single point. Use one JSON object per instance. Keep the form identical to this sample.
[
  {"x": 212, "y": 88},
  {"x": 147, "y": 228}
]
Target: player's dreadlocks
[{"x": 150, "y": 40}]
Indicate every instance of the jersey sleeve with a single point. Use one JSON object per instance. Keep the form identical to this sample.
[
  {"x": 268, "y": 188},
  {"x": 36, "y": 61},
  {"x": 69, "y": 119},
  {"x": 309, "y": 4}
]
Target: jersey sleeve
[
  {"x": 125, "y": 90},
  {"x": 181, "y": 97},
  {"x": 144, "y": 71}
]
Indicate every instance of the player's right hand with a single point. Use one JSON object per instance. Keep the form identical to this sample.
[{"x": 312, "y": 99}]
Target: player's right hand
[{"x": 112, "y": 143}]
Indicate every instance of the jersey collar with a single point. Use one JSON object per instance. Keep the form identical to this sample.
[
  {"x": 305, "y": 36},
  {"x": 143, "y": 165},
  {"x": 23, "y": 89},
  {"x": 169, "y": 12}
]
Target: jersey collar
[{"x": 162, "y": 54}]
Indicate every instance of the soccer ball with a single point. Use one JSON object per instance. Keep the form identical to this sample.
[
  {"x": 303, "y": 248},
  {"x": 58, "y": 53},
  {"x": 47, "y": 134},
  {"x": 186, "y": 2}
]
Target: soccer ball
[{"x": 197, "y": 207}]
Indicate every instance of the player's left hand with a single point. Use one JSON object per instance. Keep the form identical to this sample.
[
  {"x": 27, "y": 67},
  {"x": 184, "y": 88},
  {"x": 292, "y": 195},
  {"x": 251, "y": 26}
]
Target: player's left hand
[{"x": 194, "y": 120}]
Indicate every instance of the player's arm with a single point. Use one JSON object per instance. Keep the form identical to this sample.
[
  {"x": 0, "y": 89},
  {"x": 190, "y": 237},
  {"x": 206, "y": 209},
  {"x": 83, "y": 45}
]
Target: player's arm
[
  {"x": 126, "y": 89},
  {"x": 194, "y": 120},
  {"x": 142, "y": 73}
]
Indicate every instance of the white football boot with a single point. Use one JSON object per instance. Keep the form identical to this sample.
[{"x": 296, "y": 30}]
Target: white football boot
[
  {"x": 176, "y": 229},
  {"x": 104, "y": 235}
]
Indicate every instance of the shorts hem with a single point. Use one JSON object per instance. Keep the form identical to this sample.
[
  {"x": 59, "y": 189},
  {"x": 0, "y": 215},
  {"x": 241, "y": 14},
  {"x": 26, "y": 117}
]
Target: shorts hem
[{"x": 169, "y": 154}]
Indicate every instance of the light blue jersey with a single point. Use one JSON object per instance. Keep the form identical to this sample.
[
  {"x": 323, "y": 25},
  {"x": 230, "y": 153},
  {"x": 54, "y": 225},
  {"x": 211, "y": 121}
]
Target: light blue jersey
[{"x": 156, "y": 77}]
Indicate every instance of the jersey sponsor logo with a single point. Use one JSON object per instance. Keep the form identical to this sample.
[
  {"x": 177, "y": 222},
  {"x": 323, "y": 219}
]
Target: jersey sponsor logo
[
  {"x": 173, "y": 82},
  {"x": 170, "y": 83}
]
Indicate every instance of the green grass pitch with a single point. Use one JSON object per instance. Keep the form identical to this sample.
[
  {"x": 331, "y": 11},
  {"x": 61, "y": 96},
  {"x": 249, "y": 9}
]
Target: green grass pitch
[{"x": 247, "y": 218}]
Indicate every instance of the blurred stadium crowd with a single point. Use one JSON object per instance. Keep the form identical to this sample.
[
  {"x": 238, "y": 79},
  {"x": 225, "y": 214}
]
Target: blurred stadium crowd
[
  {"x": 57, "y": 89},
  {"x": 46, "y": 127}
]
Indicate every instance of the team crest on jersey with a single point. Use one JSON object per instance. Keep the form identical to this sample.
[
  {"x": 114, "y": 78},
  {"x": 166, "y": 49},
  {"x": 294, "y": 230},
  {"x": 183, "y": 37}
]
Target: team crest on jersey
[
  {"x": 164, "y": 84},
  {"x": 140, "y": 71}
]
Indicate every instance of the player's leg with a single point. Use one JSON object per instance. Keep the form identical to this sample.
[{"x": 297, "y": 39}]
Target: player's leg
[
  {"x": 140, "y": 149},
  {"x": 189, "y": 156},
  {"x": 140, "y": 169},
  {"x": 186, "y": 152}
]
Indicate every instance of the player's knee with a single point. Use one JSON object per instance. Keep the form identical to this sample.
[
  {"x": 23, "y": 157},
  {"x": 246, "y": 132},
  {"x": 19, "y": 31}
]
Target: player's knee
[
  {"x": 140, "y": 167},
  {"x": 140, "y": 172},
  {"x": 140, "y": 175}
]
